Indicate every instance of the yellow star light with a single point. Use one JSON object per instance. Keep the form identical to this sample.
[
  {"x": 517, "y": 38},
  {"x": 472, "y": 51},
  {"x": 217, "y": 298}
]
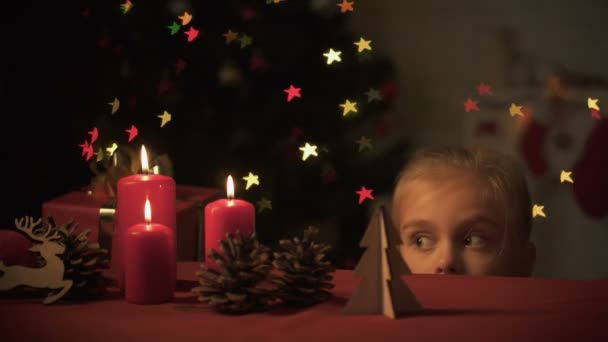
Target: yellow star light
[
  {"x": 515, "y": 110},
  {"x": 333, "y": 56},
  {"x": 592, "y": 104},
  {"x": 245, "y": 41},
  {"x": 115, "y": 105},
  {"x": 565, "y": 176},
  {"x": 363, "y": 45},
  {"x": 112, "y": 149},
  {"x": 231, "y": 36},
  {"x": 251, "y": 180},
  {"x": 308, "y": 150},
  {"x": 99, "y": 155},
  {"x": 165, "y": 117},
  {"x": 348, "y": 107},
  {"x": 365, "y": 143},
  {"x": 185, "y": 18},
  {"x": 264, "y": 204},
  {"x": 538, "y": 210}
]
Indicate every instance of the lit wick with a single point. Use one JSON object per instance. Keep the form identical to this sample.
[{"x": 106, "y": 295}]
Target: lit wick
[
  {"x": 148, "y": 214},
  {"x": 230, "y": 190},
  {"x": 144, "y": 160}
]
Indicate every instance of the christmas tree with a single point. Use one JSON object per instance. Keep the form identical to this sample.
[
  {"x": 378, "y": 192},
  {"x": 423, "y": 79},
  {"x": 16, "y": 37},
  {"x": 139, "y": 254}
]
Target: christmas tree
[
  {"x": 382, "y": 291},
  {"x": 247, "y": 85}
]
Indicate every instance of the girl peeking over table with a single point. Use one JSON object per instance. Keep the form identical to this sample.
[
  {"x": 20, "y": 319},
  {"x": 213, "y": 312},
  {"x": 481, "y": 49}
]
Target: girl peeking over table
[{"x": 464, "y": 211}]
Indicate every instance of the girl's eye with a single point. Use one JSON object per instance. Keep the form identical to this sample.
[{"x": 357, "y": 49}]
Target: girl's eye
[
  {"x": 474, "y": 240},
  {"x": 422, "y": 241}
]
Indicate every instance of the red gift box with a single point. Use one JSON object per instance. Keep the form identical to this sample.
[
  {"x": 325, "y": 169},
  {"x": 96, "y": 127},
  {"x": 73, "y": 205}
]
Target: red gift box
[{"x": 96, "y": 213}]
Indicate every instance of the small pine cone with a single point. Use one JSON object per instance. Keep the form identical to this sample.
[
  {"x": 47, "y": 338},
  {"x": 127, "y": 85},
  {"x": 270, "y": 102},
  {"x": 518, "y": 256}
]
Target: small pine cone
[
  {"x": 305, "y": 277},
  {"x": 83, "y": 263},
  {"x": 233, "y": 287}
]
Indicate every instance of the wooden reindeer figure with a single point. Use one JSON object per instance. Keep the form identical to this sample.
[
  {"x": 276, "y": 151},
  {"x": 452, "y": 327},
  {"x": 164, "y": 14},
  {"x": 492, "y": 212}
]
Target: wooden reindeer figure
[{"x": 50, "y": 275}]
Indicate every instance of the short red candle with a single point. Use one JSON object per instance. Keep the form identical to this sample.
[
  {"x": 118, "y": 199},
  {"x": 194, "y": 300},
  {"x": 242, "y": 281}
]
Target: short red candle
[
  {"x": 132, "y": 194},
  {"x": 149, "y": 262},
  {"x": 226, "y": 216}
]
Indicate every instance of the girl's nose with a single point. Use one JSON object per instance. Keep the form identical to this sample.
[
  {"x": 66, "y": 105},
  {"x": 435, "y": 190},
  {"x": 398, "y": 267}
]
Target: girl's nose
[{"x": 448, "y": 261}]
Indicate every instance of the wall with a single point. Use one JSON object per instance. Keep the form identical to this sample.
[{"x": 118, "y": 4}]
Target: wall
[{"x": 444, "y": 48}]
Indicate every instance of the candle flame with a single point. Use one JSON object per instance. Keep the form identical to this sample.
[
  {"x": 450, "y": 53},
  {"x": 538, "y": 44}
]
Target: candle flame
[
  {"x": 148, "y": 212},
  {"x": 144, "y": 160},
  {"x": 230, "y": 188}
]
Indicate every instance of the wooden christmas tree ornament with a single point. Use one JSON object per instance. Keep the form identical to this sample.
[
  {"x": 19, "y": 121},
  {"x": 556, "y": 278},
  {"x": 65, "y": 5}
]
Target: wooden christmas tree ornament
[{"x": 382, "y": 291}]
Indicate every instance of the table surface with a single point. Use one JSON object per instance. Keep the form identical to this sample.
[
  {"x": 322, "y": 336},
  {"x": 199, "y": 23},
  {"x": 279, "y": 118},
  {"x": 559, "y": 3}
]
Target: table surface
[{"x": 455, "y": 308}]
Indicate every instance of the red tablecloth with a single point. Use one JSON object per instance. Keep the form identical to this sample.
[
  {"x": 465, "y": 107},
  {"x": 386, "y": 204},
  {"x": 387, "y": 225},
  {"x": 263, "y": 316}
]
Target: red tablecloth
[{"x": 456, "y": 307}]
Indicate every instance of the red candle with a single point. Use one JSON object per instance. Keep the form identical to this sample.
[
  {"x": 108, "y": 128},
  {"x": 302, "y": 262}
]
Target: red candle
[
  {"x": 132, "y": 194},
  {"x": 226, "y": 216},
  {"x": 149, "y": 262}
]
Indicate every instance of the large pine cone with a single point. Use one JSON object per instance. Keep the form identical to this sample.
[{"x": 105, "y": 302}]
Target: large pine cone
[
  {"x": 83, "y": 262},
  {"x": 304, "y": 274},
  {"x": 234, "y": 287}
]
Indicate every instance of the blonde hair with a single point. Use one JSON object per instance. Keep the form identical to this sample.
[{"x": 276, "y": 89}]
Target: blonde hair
[{"x": 501, "y": 173}]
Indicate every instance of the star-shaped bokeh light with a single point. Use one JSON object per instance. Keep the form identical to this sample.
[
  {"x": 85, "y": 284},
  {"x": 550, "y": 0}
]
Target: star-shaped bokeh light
[
  {"x": 333, "y": 56},
  {"x": 115, "y": 105},
  {"x": 185, "y": 18},
  {"x": 348, "y": 107},
  {"x": 308, "y": 150},
  {"x": 87, "y": 150},
  {"x": 245, "y": 41},
  {"x": 192, "y": 33},
  {"x": 94, "y": 135},
  {"x": 126, "y": 7},
  {"x": 515, "y": 110},
  {"x": 264, "y": 204},
  {"x": 483, "y": 89},
  {"x": 373, "y": 94},
  {"x": 363, "y": 45},
  {"x": 111, "y": 149},
  {"x": 566, "y": 176},
  {"x": 174, "y": 28},
  {"x": 346, "y": 6},
  {"x": 470, "y": 105},
  {"x": 133, "y": 132},
  {"x": 231, "y": 36},
  {"x": 251, "y": 180},
  {"x": 99, "y": 155},
  {"x": 365, "y": 143},
  {"x": 165, "y": 118},
  {"x": 293, "y": 92},
  {"x": 364, "y": 194},
  {"x": 538, "y": 210},
  {"x": 592, "y": 104}
]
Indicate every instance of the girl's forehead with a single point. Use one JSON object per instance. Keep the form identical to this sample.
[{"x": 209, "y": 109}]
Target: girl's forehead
[{"x": 470, "y": 189}]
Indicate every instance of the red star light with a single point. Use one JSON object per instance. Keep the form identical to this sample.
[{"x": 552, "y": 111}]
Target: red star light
[
  {"x": 293, "y": 92},
  {"x": 365, "y": 194},
  {"x": 470, "y": 105},
  {"x": 483, "y": 89}
]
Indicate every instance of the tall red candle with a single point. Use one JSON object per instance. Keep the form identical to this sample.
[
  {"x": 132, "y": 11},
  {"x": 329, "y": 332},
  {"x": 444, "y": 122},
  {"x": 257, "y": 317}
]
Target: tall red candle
[
  {"x": 149, "y": 262},
  {"x": 226, "y": 216},
  {"x": 131, "y": 196}
]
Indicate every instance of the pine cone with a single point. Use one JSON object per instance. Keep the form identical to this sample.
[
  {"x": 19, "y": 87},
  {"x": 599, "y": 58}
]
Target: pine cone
[
  {"x": 243, "y": 265},
  {"x": 83, "y": 263},
  {"x": 305, "y": 276}
]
